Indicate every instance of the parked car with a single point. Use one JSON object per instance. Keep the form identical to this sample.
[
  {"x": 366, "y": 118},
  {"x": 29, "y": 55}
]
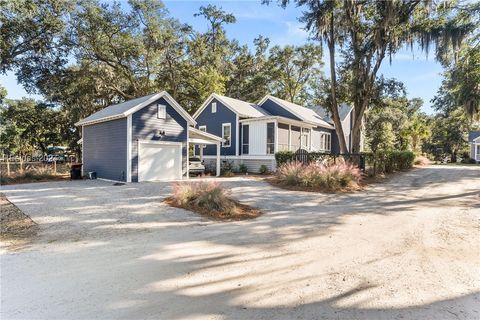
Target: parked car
[
  {"x": 55, "y": 157},
  {"x": 196, "y": 166}
]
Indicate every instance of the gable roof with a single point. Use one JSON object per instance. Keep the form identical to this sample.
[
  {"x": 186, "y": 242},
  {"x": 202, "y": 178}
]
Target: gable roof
[
  {"x": 241, "y": 108},
  {"x": 473, "y": 135},
  {"x": 303, "y": 113},
  {"x": 124, "y": 109},
  {"x": 343, "y": 111}
]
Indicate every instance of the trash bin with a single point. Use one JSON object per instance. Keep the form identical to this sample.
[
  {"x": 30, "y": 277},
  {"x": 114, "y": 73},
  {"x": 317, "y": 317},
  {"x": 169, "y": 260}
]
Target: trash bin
[
  {"x": 76, "y": 171},
  {"x": 92, "y": 175}
]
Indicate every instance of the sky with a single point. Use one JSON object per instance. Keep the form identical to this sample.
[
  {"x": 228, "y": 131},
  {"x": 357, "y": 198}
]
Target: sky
[{"x": 420, "y": 74}]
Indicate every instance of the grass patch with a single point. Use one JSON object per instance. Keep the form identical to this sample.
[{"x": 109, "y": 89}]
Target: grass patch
[
  {"x": 209, "y": 199},
  {"x": 32, "y": 175}
]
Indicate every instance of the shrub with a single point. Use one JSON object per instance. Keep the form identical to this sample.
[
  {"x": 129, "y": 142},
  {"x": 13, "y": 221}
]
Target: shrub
[
  {"x": 290, "y": 173},
  {"x": 206, "y": 195},
  {"x": 470, "y": 160},
  {"x": 263, "y": 169},
  {"x": 242, "y": 168},
  {"x": 226, "y": 169},
  {"x": 283, "y": 157},
  {"x": 330, "y": 177},
  {"x": 421, "y": 161}
]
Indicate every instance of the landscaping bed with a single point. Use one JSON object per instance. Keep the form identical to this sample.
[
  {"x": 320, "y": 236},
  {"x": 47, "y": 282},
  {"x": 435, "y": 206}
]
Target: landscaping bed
[
  {"x": 15, "y": 226},
  {"x": 210, "y": 199},
  {"x": 341, "y": 177}
]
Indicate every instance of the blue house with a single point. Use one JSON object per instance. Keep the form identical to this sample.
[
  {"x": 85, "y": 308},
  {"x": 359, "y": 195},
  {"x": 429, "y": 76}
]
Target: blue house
[
  {"x": 144, "y": 139},
  {"x": 253, "y": 133},
  {"x": 474, "y": 142}
]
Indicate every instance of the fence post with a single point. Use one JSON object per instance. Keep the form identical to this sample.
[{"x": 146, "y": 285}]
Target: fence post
[
  {"x": 55, "y": 166},
  {"x": 8, "y": 167}
]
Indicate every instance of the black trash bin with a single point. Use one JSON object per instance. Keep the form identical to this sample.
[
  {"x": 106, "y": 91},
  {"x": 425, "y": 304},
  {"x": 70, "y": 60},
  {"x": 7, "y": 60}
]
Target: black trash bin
[{"x": 76, "y": 171}]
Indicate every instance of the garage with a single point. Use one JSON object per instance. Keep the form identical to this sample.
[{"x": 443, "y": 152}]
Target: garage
[{"x": 159, "y": 161}]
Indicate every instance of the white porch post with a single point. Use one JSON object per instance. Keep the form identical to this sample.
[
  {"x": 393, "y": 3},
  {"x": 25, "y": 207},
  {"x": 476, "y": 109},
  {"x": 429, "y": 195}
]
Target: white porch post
[
  {"x": 201, "y": 152},
  {"x": 289, "y": 137},
  {"x": 218, "y": 159}
]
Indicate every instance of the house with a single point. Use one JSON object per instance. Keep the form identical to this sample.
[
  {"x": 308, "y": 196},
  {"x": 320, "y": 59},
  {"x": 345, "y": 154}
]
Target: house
[
  {"x": 144, "y": 139},
  {"x": 253, "y": 133},
  {"x": 474, "y": 142}
]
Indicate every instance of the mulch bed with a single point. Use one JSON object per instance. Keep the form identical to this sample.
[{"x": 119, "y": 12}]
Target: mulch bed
[
  {"x": 14, "y": 224},
  {"x": 279, "y": 184},
  {"x": 240, "y": 211}
]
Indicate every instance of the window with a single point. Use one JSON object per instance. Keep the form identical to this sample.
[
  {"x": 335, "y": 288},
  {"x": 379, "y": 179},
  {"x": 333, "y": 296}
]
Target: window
[
  {"x": 270, "y": 138},
  {"x": 214, "y": 107},
  {"x": 227, "y": 134},
  {"x": 305, "y": 138},
  {"x": 202, "y": 128},
  {"x": 161, "y": 111},
  {"x": 325, "y": 141},
  {"x": 245, "y": 138}
]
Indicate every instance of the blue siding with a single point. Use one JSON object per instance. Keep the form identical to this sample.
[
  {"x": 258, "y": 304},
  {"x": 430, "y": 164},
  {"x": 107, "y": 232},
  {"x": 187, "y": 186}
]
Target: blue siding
[
  {"x": 335, "y": 142},
  {"x": 277, "y": 110},
  {"x": 214, "y": 121},
  {"x": 145, "y": 125},
  {"x": 105, "y": 149}
]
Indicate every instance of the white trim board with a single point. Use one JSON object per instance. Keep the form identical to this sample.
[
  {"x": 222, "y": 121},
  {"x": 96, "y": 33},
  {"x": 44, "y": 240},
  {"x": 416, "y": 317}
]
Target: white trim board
[{"x": 129, "y": 148}]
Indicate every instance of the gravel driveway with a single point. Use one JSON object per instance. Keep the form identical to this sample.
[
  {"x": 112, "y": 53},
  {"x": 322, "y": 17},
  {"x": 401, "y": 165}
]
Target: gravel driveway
[{"x": 405, "y": 249}]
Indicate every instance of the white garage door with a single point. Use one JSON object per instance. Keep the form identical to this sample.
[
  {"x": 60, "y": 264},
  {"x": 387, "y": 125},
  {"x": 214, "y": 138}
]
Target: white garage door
[{"x": 159, "y": 162}]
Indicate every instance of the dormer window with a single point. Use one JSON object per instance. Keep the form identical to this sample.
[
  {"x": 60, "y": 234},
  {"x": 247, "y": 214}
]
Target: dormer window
[
  {"x": 161, "y": 111},
  {"x": 214, "y": 107}
]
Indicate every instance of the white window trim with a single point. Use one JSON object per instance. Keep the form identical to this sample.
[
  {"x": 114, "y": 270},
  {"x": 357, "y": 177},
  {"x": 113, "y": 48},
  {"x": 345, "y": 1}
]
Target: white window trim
[
  {"x": 223, "y": 135},
  {"x": 214, "y": 107},
  {"x": 159, "y": 108},
  {"x": 245, "y": 144},
  {"x": 202, "y": 127},
  {"x": 274, "y": 138}
]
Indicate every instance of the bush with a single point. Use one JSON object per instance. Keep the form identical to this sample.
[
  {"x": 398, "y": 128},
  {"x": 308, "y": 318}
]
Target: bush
[
  {"x": 330, "y": 177},
  {"x": 206, "y": 195},
  {"x": 227, "y": 169},
  {"x": 263, "y": 169},
  {"x": 283, "y": 157},
  {"x": 469, "y": 160},
  {"x": 242, "y": 168},
  {"x": 390, "y": 161},
  {"x": 30, "y": 175}
]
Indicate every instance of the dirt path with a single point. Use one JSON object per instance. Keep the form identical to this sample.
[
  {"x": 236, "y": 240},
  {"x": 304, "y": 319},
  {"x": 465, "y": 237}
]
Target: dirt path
[{"x": 406, "y": 249}]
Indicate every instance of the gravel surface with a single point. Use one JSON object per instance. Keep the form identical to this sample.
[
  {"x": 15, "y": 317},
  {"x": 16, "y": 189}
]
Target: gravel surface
[{"x": 404, "y": 249}]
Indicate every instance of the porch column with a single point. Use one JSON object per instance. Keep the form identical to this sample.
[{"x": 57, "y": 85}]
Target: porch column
[
  {"x": 289, "y": 137},
  {"x": 201, "y": 152},
  {"x": 218, "y": 159}
]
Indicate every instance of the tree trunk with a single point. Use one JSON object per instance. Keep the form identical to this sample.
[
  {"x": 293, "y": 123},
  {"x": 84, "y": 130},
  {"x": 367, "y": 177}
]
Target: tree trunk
[{"x": 334, "y": 106}]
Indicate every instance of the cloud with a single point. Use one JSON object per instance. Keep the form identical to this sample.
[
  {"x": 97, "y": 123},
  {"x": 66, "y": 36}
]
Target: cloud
[{"x": 293, "y": 34}]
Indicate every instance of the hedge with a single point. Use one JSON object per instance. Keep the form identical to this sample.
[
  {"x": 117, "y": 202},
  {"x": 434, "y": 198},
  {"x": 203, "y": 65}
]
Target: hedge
[
  {"x": 283, "y": 157},
  {"x": 380, "y": 162}
]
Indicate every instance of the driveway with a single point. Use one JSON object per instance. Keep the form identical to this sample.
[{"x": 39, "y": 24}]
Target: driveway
[{"x": 405, "y": 249}]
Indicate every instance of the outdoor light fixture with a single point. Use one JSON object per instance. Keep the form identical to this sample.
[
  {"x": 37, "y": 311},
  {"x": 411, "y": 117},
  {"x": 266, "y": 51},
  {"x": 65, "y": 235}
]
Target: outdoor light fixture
[{"x": 160, "y": 133}]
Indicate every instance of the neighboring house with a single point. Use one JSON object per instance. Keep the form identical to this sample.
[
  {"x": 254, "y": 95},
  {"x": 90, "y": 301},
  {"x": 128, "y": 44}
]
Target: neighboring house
[
  {"x": 253, "y": 133},
  {"x": 144, "y": 139},
  {"x": 474, "y": 142}
]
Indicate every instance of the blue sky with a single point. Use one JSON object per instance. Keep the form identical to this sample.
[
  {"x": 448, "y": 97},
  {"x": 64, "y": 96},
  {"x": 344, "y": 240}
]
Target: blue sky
[{"x": 421, "y": 76}]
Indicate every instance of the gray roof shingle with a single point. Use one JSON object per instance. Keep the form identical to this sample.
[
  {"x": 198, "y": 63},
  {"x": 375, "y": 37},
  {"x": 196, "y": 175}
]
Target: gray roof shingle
[{"x": 472, "y": 135}]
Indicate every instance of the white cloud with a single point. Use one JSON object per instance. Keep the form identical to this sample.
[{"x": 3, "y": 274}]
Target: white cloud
[{"x": 294, "y": 34}]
